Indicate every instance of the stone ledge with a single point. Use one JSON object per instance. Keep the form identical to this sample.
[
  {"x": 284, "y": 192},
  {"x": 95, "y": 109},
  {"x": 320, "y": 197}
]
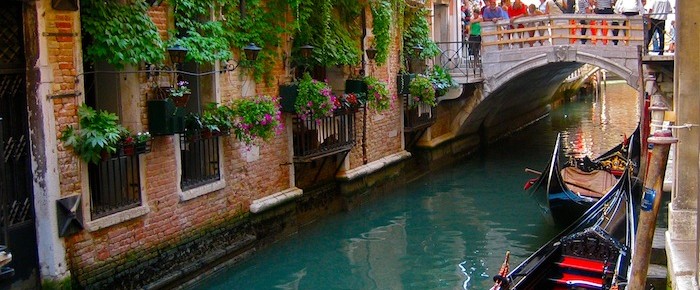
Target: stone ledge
[
  {"x": 270, "y": 201},
  {"x": 117, "y": 218},
  {"x": 202, "y": 190},
  {"x": 373, "y": 166},
  {"x": 681, "y": 262}
]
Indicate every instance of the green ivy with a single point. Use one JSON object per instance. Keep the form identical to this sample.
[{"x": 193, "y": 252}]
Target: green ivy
[
  {"x": 381, "y": 16},
  {"x": 263, "y": 24},
  {"x": 204, "y": 38},
  {"x": 120, "y": 33},
  {"x": 333, "y": 28},
  {"x": 417, "y": 32}
]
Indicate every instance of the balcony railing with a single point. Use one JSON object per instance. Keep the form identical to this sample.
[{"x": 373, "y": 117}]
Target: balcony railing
[
  {"x": 420, "y": 117},
  {"x": 461, "y": 59},
  {"x": 314, "y": 139},
  {"x": 115, "y": 185},
  {"x": 199, "y": 154}
]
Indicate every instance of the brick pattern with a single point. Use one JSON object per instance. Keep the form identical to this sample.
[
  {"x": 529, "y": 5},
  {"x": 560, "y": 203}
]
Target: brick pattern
[{"x": 102, "y": 253}]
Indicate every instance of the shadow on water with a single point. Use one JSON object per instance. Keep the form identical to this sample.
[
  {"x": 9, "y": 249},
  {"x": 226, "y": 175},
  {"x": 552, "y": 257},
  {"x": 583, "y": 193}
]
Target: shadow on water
[{"x": 447, "y": 230}]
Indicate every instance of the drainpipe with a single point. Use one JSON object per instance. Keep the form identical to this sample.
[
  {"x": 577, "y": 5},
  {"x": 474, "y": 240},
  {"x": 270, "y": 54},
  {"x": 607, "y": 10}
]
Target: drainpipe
[{"x": 362, "y": 72}]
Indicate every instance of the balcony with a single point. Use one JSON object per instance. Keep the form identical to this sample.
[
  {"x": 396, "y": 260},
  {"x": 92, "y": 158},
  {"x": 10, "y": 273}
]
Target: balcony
[{"x": 314, "y": 139}]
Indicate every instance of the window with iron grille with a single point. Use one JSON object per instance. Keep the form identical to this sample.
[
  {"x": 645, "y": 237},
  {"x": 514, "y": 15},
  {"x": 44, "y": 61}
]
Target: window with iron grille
[
  {"x": 326, "y": 136},
  {"x": 115, "y": 185},
  {"x": 200, "y": 160}
]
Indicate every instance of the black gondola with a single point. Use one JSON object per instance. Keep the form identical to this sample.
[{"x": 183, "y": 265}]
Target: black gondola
[
  {"x": 593, "y": 253},
  {"x": 564, "y": 195}
]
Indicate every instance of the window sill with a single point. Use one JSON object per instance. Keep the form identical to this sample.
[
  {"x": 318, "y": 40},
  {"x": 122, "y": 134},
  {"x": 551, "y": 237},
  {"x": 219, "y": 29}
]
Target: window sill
[
  {"x": 117, "y": 218},
  {"x": 202, "y": 190}
]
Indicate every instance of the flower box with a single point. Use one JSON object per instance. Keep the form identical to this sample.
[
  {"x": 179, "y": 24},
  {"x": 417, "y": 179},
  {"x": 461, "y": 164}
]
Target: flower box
[
  {"x": 358, "y": 87},
  {"x": 164, "y": 118},
  {"x": 402, "y": 83},
  {"x": 288, "y": 96}
]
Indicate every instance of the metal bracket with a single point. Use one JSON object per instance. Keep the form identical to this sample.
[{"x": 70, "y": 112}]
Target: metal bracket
[{"x": 69, "y": 215}]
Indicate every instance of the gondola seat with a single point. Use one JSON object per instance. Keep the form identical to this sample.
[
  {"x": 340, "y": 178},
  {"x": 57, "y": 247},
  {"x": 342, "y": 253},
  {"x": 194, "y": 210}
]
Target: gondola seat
[
  {"x": 582, "y": 264},
  {"x": 570, "y": 280}
]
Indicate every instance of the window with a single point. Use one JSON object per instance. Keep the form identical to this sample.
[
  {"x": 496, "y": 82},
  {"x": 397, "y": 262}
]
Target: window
[
  {"x": 199, "y": 152},
  {"x": 115, "y": 182}
]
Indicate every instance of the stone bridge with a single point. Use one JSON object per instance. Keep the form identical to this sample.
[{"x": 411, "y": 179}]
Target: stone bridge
[{"x": 522, "y": 64}]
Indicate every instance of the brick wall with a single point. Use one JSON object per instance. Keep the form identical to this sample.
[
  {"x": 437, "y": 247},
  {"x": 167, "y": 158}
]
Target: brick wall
[{"x": 95, "y": 255}]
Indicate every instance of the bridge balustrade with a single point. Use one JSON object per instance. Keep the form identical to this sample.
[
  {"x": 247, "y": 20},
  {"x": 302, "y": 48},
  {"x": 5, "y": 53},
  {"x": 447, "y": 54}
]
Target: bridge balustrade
[{"x": 588, "y": 30}]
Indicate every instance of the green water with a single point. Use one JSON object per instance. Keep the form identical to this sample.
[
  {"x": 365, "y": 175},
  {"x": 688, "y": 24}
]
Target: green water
[{"x": 447, "y": 230}]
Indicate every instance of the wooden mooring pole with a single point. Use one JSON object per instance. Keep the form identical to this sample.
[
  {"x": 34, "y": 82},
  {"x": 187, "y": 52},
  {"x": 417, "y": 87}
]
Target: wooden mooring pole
[{"x": 651, "y": 202}]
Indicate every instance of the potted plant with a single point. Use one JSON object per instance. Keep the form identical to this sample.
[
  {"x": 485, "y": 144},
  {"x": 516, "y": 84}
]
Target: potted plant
[
  {"x": 422, "y": 91},
  {"x": 127, "y": 144},
  {"x": 442, "y": 81},
  {"x": 315, "y": 99},
  {"x": 377, "y": 94},
  {"x": 164, "y": 118},
  {"x": 256, "y": 118},
  {"x": 98, "y": 136},
  {"x": 349, "y": 101},
  {"x": 180, "y": 93},
  {"x": 142, "y": 142},
  {"x": 288, "y": 96},
  {"x": 356, "y": 85},
  {"x": 403, "y": 79}
]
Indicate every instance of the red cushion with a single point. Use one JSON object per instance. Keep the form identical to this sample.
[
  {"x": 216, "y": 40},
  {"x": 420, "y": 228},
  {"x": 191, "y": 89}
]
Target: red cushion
[{"x": 582, "y": 264}]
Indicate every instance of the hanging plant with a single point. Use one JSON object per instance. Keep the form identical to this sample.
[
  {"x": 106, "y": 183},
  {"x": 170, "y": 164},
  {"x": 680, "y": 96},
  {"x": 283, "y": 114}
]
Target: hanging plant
[
  {"x": 99, "y": 134},
  {"x": 256, "y": 118},
  {"x": 442, "y": 80},
  {"x": 314, "y": 100},
  {"x": 381, "y": 28},
  {"x": 417, "y": 33},
  {"x": 422, "y": 91},
  {"x": 377, "y": 94},
  {"x": 204, "y": 38},
  {"x": 120, "y": 33}
]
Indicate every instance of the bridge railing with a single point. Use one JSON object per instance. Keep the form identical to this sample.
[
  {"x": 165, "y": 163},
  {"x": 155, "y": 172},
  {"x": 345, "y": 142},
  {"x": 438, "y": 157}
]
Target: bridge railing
[{"x": 566, "y": 29}]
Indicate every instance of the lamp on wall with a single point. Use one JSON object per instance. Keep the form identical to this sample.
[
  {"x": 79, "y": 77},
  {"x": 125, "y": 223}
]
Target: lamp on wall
[
  {"x": 417, "y": 49},
  {"x": 177, "y": 54},
  {"x": 251, "y": 51},
  {"x": 306, "y": 50},
  {"x": 371, "y": 53}
]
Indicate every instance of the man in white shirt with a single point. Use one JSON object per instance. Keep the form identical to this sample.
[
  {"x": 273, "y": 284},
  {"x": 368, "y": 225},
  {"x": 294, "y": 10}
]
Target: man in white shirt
[{"x": 657, "y": 17}]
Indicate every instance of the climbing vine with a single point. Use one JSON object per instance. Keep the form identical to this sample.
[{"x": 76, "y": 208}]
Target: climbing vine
[
  {"x": 120, "y": 33},
  {"x": 262, "y": 23},
  {"x": 204, "y": 37},
  {"x": 381, "y": 28},
  {"x": 333, "y": 28},
  {"x": 416, "y": 32}
]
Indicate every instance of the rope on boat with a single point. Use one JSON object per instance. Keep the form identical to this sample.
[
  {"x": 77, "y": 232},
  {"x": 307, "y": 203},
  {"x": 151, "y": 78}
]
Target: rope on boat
[
  {"x": 684, "y": 126},
  {"x": 501, "y": 280}
]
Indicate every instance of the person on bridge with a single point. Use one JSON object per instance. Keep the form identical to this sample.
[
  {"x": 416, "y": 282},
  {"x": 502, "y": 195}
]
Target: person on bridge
[
  {"x": 492, "y": 12},
  {"x": 605, "y": 7},
  {"x": 657, "y": 17},
  {"x": 629, "y": 8},
  {"x": 475, "y": 34},
  {"x": 583, "y": 7},
  {"x": 517, "y": 10},
  {"x": 555, "y": 7},
  {"x": 533, "y": 11}
]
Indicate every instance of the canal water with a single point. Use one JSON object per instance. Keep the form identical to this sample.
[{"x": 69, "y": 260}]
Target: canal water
[{"x": 447, "y": 230}]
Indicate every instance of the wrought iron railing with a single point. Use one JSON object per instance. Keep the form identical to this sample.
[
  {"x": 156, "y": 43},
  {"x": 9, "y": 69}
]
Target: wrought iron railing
[
  {"x": 115, "y": 185},
  {"x": 460, "y": 59},
  {"x": 417, "y": 117},
  {"x": 199, "y": 155},
  {"x": 326, "y": 136},
  {"x": 657, "y": 38}
]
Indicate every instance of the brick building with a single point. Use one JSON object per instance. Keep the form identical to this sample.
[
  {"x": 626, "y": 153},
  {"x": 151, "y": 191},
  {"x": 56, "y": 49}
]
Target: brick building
[{"x": 68, "y": 219}]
